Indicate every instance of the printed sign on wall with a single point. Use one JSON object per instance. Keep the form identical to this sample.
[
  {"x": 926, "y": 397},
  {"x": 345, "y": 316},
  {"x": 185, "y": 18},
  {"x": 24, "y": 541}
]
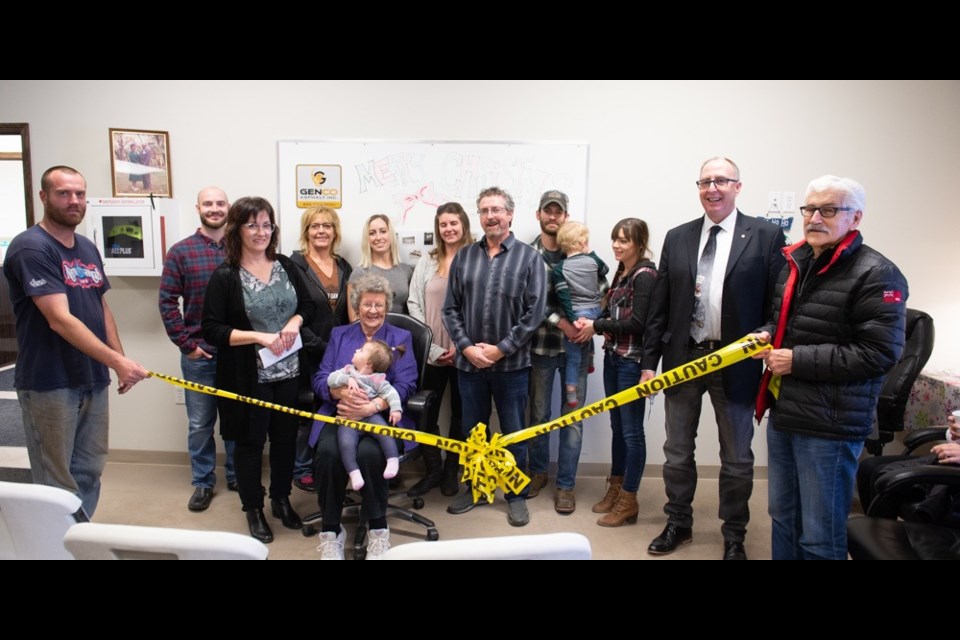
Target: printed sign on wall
[{"x": 319, "y": 185}]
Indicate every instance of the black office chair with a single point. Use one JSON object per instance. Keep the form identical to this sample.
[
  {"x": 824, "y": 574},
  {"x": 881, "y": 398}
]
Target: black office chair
[
  {"x": 896, "y": 386},
  {"x": 423, "y": 407},
  {"x": 924, "y": 531}
]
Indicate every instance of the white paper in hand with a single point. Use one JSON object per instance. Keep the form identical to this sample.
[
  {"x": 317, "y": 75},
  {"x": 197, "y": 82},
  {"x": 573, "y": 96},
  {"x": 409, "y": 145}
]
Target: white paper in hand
[{"x": 268, "y": 359}]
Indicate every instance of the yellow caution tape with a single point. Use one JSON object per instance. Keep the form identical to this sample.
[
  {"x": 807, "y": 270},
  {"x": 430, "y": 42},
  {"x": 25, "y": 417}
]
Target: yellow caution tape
[
  {"x": 488, "y": 465},
  {"x": 774, "y": 386},
  {"x": 488, "y": 459},
  {"x": 377, "y": 429},
  {"x": 731, "y": 354}
]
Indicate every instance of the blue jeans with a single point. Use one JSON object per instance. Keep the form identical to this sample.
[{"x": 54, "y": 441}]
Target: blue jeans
[
  {"x": 575, "y": 353},
  {"x": 811, "y": 488},
  {"x": 67, "y": 439},
  {"x": 509, "y": 391},
  {"x": 542, "y": 374},
  {"x": 629, "y": 446},
  {"x": 201, "y": 420},
  {"x": 303, "y": 465}
]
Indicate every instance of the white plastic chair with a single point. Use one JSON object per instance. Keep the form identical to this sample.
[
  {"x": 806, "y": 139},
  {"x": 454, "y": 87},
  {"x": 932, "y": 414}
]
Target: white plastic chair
[
  {"x": 95, "y": 541},
  {"x": 548, "y": 546},
  {"x": 33, "y": 520}
]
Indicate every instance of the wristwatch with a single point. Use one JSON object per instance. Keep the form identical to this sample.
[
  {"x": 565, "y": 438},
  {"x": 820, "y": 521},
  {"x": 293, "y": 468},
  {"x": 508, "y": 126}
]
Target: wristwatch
[{"x": 554, "y": 319}]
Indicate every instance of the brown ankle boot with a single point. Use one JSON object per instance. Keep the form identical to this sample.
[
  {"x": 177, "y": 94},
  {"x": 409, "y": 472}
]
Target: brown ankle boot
[
  {"x": 613, "y": 491},
  {"x": 626, "y": 510}
]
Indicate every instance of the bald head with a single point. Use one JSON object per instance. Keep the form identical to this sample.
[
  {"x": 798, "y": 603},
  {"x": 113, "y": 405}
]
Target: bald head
[
  {"x": 211, "y": 194},
  {"x": 212, "y": 205}
]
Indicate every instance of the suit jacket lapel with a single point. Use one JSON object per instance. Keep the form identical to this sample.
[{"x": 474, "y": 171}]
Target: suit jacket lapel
[
  {"x": 741, "y": 237},
  {"x": 693, "y": 247}
]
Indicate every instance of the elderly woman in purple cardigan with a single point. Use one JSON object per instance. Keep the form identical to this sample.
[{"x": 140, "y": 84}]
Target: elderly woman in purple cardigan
[{"x": 370, "y": 297}]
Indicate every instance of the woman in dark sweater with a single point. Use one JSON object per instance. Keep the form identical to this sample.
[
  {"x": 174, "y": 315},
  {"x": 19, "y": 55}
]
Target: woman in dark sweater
[
  {"x": 622, "y": 323},
  {"x": 325, "y": 275},
  {"x": 256, "y": 299}
]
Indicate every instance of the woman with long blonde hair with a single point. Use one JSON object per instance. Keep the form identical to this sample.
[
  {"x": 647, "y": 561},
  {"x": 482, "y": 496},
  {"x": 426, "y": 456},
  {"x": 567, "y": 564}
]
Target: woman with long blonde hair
[{"x": 379, "y": 254}]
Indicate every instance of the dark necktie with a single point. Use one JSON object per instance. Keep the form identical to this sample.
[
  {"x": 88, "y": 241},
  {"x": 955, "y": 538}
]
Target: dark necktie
[{"x": 702, "y": 290}]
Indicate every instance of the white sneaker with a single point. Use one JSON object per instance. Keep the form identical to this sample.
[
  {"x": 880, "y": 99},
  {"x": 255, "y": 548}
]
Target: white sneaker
[
  {"x": 378, "y": 541},
  {"x": 331, "y": 545}
]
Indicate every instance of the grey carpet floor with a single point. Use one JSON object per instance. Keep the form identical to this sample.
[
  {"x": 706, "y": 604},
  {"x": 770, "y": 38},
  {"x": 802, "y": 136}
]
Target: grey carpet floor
[{"x": 6, "y": 380}]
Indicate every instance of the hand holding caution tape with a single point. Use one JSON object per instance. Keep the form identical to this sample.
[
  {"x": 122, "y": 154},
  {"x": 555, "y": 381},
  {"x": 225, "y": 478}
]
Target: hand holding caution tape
[{"x": 488, "y": 464}]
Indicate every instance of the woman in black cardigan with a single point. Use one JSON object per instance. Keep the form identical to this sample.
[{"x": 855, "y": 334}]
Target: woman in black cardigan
[
  {"x": 256, "y": 299},
  {"x": 325, "y": 275}
]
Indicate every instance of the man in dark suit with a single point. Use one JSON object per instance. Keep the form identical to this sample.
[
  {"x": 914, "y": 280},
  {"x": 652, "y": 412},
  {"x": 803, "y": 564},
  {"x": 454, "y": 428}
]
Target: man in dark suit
[{"x": 714, "y": 287}]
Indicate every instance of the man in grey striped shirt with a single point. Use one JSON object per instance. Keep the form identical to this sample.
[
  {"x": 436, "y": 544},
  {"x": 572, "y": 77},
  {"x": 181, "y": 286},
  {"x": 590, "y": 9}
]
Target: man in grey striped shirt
[{"x": 495, "y": 300}]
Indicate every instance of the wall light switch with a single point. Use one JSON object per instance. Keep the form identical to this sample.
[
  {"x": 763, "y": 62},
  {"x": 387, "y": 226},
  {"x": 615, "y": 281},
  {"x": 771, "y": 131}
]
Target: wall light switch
[{"x": 774, "y": 202}]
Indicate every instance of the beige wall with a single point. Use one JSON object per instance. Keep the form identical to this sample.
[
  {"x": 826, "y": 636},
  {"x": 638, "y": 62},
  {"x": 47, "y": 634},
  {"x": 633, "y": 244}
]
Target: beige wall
[{"x": 647, "y": 139}]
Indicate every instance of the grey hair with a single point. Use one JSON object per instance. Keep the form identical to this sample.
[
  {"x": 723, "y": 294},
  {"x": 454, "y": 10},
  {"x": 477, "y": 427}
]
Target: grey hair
[
  {"x": 370, "y": 283},
  {"x": 497, "y": 191},
  {"x": 854, "y": 195},
  {"x": 727, "y": 160}
]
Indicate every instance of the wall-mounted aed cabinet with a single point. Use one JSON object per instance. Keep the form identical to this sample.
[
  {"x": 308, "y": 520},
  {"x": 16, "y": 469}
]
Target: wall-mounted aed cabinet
[{"x": 133, "y": 234}]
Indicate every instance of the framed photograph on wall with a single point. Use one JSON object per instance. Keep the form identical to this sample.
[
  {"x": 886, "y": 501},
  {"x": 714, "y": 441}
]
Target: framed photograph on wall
[{"x": 140, "y": 163}]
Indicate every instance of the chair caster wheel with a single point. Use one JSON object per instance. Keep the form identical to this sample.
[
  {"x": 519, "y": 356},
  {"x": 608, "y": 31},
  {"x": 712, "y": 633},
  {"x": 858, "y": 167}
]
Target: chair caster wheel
[
  {"x": 418, "y": 503},
  {"x": 308, "y": 531},
  {"x": 360, "y": 554},
  {"x": 433, "y": 535}
]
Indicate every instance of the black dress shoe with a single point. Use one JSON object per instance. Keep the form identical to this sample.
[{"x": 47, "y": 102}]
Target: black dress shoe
[
  {"x": 424, "y": 485},
  {"x": 671, "y": 538},
  {"x": 733, "y": 550},
  {"x": 259, "y": 528},
  {"x": 233, "y": 486},
  {"x": 281, "y": 509},
  {"x": 450, "y": 481},
  {"x": 200, "y": 499}
]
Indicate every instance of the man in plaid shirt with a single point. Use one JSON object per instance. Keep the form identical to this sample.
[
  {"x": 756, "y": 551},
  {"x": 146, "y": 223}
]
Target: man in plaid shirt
[
  {"x": 548, "y": 358},
  {"x": 186, "y": 271}
]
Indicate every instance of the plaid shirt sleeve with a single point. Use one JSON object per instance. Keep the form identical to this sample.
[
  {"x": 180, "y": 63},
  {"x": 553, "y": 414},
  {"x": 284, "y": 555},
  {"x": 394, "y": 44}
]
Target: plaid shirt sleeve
[
  {"x": 186, "y": 272},
  {"x": 548, "y": 339},
  {"x": 171, "y": 289}
]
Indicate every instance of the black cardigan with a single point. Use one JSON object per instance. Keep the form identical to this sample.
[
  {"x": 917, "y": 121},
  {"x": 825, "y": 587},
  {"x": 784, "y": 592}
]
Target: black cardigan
[
  {"x": 317, "y": 333},
  {"x": 224, "y": 311}
]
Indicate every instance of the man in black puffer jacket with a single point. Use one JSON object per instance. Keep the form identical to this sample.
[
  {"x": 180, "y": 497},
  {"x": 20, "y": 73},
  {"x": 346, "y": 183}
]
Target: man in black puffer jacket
[{"x": 837, "y": 328}]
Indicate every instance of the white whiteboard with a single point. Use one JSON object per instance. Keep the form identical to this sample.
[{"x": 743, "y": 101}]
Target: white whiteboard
[{"x": 407, "y": 180}]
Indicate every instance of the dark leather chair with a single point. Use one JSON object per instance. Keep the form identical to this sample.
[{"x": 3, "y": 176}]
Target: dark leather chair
[
  {"x": 424, "y": 408},
  {"x": 897, "y": 385},
  {"x": 914, "y": 536}
]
